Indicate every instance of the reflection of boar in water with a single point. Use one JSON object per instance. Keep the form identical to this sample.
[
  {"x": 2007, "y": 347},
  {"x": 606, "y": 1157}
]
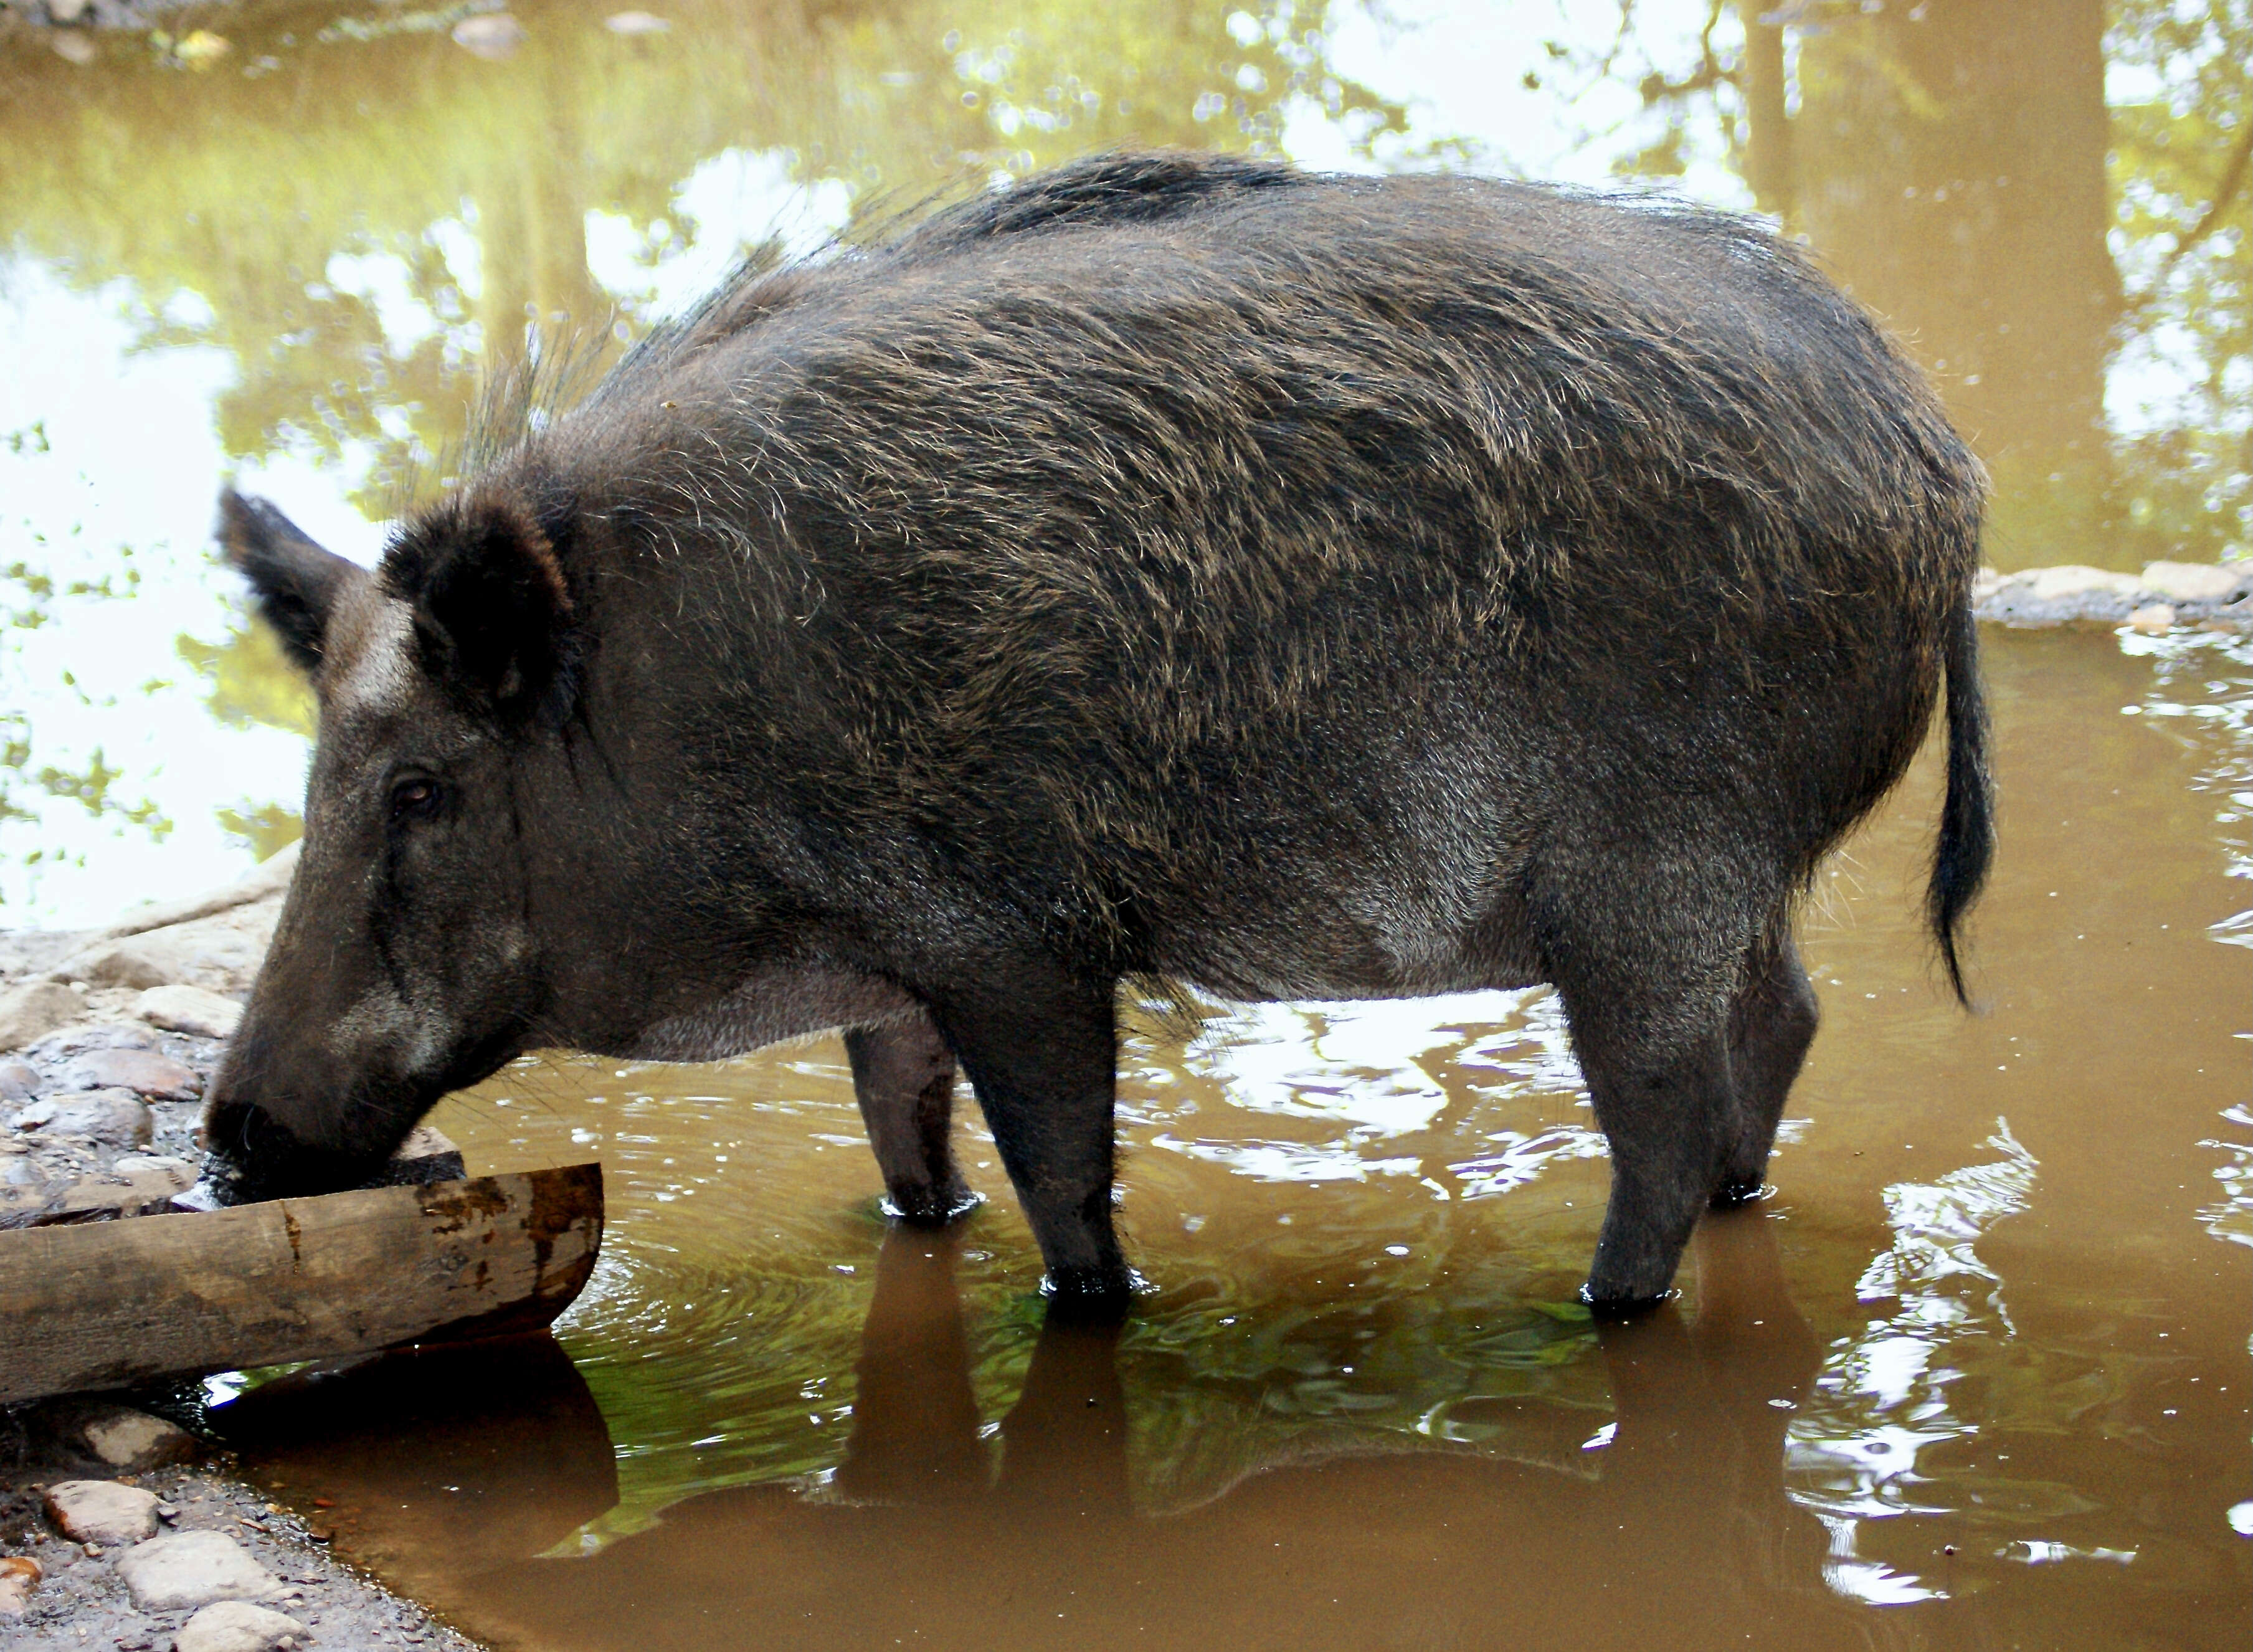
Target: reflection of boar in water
[{"x": 1170, "y": 567}]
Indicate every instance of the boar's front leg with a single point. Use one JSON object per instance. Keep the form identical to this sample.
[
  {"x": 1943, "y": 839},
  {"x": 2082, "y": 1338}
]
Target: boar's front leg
[
  {"x": 904, "y": 1078},
  {"x": 1041, "y": 1051}
]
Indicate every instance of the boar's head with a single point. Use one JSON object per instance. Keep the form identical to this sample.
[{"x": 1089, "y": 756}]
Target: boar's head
[{"x": 405, "y": 962}]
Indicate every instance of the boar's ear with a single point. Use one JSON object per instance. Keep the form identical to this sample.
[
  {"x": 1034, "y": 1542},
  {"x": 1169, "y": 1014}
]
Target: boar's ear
[
  {"x": 491, "y": 610},
  {"x": 298, "y": 583}
]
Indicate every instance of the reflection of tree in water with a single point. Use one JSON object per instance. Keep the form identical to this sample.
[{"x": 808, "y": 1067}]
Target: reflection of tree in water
[
  {"x": 1948, "y": 162},
  {"x": 323, "y": 210}
]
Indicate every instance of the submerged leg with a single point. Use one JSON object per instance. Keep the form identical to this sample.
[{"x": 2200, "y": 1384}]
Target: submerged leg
[
  {"x": 1042, "y": 1052},
  {"x": 1771, "y": 1023},
  {"x": 1646, "y": 944},
  {"x": 1666, "y": 1112},
  {"x": 904, "y": 1078}
]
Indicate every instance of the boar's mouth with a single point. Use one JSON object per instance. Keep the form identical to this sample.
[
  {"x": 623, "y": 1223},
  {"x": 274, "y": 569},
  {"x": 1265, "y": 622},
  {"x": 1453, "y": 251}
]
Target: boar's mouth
[{"x": 251, "y": 1156}]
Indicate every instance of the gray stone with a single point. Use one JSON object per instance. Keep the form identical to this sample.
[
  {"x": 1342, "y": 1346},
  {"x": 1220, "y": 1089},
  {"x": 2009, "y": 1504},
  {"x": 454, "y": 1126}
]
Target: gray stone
[
  {"x": 236, "y": 1625},
  {"x": 32, "y": 1012},
  {"x": 143, "y": 1071},
  {"x": 118, "y": 963},
  {"x": 192, "y": 1569},
  {"x": 76, "y": 1041},
  {"x": 2205, "y": 584},
  {"x": 182, "y": 1009},
  {"x": 19, "y": 1081},
  {"x": 130, "y": 1440},
  {"x": 116, "y": 1117},
  {"x": 101, "y": 1511}
]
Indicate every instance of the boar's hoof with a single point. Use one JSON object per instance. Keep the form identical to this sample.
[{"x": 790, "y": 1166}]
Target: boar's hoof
[
  {"x": 1616, "y": 1310},
  {"x": 1085, "y": 1295},
  {"x": 930, "y": 1207}
]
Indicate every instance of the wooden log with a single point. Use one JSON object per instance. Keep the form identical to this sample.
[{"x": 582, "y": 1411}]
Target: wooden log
[{"x": 112, "y": 1303}]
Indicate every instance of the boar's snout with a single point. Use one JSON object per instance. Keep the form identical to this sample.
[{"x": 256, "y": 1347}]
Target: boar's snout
[
  {"x": 273, "y": 1130},
  {"x": 251, "y": 1156}
]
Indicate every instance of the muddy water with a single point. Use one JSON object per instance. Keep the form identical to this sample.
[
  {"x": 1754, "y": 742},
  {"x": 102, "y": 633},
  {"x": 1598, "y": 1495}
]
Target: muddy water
[{"x": 1978, "y": 1374}]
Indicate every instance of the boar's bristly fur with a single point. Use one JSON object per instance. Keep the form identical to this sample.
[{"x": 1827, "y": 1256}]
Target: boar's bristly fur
[{"x": 1172, "y": 566}]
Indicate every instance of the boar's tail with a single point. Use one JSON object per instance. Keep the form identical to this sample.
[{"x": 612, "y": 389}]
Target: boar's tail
[{"x": 1967, "y": 818}]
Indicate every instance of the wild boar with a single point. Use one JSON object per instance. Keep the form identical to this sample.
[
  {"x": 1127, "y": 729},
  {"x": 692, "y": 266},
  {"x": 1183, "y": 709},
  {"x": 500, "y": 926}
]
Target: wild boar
[{"x": 1171, "y": 567}]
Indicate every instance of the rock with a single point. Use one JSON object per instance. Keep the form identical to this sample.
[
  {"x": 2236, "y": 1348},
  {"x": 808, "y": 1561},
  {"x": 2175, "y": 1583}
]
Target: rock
[
  {"x": 191, "y": 1569},
  {"x": 632, "y": 23},
  {"x": 181, "y": 1008},
  {"x": 19, "y": 1081},
  {"x": 117, "y": 1117},
  {"x": 222, "y": 951},
  {"x": 2153, "y": 619},
  {"x": 179, "y": 1171},
  {"x": 19, "y": 1575},
  {"x": 117, "y": 963},
  {"x": 236, "y": 1625},
  {"x": 73, "y": 45},
  {"x": 143, "y": 1071},
  {"x": 2071, "y": 579},
  {"x": 2201, "y": 582},
  {"x": 67, "y": 10},
  {"x": 34, "y": 1011},
  {"x": 266, "y": 882},
  {"x": 101, "y": 1511},
  {"x": 494, "y": 35},
  {"x": 134, "y": 1440},
  {"x": 76, "y": 1041}
]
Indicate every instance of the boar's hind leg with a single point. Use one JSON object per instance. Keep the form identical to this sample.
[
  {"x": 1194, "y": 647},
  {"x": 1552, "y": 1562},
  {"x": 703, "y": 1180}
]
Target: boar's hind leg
[
  {"x": 904, "y": 1077},
  {"x": 1042, "y": 1055},
  {"x": 1647, "y": 986},
  {"x": 1771, "y": 1024}
]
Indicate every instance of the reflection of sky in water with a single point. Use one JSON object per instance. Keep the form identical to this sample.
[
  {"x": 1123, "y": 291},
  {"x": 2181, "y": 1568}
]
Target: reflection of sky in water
[
  {"x": 1852, "y": 1452},
  {"x": 1358, "y": 1078}
]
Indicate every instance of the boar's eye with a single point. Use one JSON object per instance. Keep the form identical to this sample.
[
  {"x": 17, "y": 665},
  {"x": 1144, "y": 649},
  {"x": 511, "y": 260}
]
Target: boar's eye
[{"x": 416, "y": 798}]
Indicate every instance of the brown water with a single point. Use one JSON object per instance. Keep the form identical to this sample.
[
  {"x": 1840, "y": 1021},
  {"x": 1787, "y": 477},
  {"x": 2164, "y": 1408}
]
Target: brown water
[{"x": 1977, "y": 1376}]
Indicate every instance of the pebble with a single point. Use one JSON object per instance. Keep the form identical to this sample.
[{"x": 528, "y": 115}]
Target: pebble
[
  {"x": 236, "y": 1625},
  {"x": 73, "y": 45},
  {"x": 32, "y": 1012},
  {"x": 101, "y": 1511},
  {"x": 2153, "y": 619},
  {"x": 19, "y": 1575},
  {"x": 632, "y": 23},
  {"x": 67, "y": 10},
  {"x": 191, "y": 1569},
  {"x": 19, "y": 1081},
  {"x": 117, "y": 1117},
  {"x": 144, "y": 1071},
  {"x": 189, "y": 1009},
  {"x": 130, "y": 1440}
]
